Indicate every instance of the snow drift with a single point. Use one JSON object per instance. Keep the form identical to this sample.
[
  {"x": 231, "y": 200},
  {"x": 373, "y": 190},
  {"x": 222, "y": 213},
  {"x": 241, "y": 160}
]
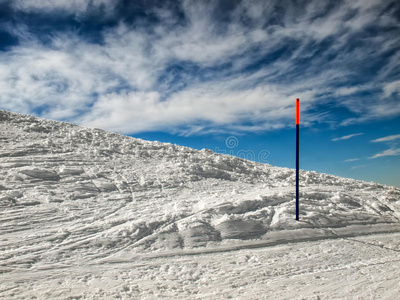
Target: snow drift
[
  {"x": 69, "y": 191},
  {"x": 75, "y": 201}
]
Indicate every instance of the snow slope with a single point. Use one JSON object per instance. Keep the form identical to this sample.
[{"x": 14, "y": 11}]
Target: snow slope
[{"x": 81, "y": 205}]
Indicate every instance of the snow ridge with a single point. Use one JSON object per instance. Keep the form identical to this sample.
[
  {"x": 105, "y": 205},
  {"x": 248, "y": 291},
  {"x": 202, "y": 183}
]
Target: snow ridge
[
  {"x": 74, "y": 196},
  {"x": 84, "y": 189}
]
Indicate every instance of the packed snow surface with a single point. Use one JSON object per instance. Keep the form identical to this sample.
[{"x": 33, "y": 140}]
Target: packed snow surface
[{"x": 87, "y": 214}]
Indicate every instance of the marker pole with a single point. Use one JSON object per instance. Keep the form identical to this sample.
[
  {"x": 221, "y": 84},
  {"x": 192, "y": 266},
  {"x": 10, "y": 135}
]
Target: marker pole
[{"x": 297, "y": 156}]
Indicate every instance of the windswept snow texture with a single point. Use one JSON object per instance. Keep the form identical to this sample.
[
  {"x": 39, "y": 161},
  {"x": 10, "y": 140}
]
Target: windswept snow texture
[{"x": 80, "y": 206}]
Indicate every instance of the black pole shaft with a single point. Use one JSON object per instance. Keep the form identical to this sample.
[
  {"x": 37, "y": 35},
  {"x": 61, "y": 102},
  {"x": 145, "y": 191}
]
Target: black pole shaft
[{"x": 297, "y": 172}]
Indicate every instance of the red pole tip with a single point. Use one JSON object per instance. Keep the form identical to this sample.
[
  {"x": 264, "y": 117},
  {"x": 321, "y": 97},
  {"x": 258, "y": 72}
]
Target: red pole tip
[{"x": 297, "y": 111}]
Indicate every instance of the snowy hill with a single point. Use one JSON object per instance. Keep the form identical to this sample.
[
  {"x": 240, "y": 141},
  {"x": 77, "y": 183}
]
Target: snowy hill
[{"x": 74, "y": 196}]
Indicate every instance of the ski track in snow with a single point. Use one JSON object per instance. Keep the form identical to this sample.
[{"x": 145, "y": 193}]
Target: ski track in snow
[{"x": 87, "y": 214}]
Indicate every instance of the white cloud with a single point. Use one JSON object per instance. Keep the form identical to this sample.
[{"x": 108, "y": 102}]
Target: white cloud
[
  {"x": 377, "y": 110},
  {"x": 215, "y": 105},
  {"x": 34, "y": 76},
  {"x": 75, "y": 7},
  {"x": 124, "y": 111},
  {"x": 352, "y": 159},
  {"x": 128, "y": 83},
  {"x": 346, "y": 137},
  {"x": 358, "y": 167},
  {"x": 391, "y": 88},
  {"x": 347, "y": 91},
  {"x": 388, "y": 152},
  {"x": 387, "y": 138},
  {"x": 393, "y": 140}
]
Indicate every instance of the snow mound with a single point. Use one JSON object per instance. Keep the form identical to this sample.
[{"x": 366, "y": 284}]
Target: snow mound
[{"x": 70, "y": 193}]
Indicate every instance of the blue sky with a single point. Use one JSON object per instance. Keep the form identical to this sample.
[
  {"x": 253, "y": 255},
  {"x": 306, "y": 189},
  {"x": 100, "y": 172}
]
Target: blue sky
[{"x": 201, "y": 73}]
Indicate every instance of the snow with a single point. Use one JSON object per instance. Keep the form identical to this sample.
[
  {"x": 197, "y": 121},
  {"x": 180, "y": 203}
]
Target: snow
[{"x": 87, "y": 214}]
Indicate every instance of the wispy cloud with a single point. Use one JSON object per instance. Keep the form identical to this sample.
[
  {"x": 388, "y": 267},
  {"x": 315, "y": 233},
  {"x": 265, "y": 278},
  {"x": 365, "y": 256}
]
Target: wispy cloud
[
  {"x": 352, "y": 159},
  {"x": 75, "y": 7},
  {"x": 346, "y": 137},
  {"x": 203, "y": 66},
  {"x": 387, "y": 138},
  {"x": 391, "y": 88},
  {"x": 388, "y": 152},
  {"x": 393, "y": 141}
]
